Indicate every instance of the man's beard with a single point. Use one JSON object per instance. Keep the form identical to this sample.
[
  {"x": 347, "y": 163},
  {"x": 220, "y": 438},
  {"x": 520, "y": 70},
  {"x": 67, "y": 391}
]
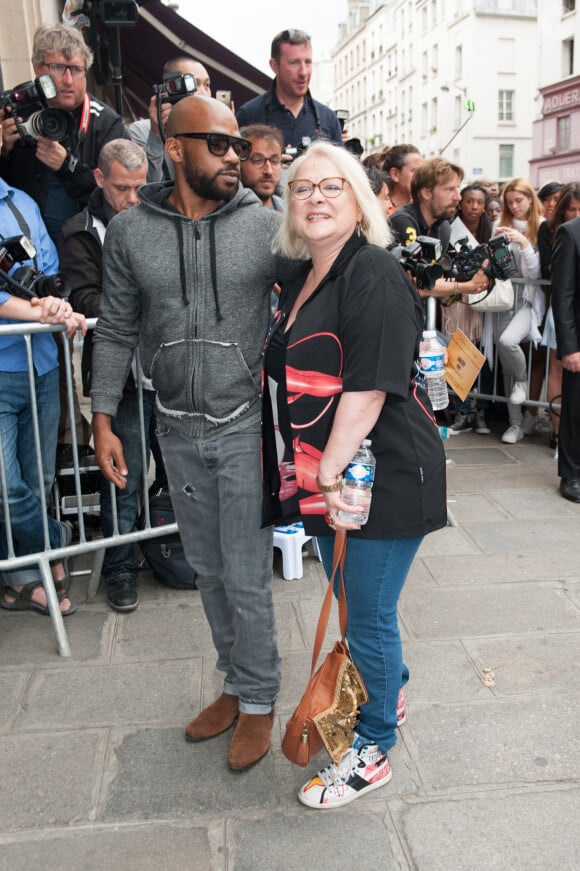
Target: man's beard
[{"x": 207, "y": 187}]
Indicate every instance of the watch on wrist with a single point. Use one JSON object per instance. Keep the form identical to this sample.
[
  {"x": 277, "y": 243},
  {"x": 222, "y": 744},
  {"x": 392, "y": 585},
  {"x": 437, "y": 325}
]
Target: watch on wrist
[{"x": 330, "y": 488}]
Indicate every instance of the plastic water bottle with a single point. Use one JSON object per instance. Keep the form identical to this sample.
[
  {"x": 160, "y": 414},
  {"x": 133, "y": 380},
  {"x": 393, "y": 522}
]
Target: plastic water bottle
[
  {"x": 358, "y": 484},
  {"x": 431, "y": 356}
]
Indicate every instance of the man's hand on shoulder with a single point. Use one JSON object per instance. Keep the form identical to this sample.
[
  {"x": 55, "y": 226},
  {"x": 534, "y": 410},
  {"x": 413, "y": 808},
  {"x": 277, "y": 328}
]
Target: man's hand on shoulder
[{"x": 52, "y": 154}]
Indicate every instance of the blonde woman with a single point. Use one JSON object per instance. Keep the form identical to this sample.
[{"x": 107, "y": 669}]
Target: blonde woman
[{"x": 520, "y": 220}]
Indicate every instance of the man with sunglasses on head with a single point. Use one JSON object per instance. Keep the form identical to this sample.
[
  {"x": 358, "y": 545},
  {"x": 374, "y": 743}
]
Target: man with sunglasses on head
[
  {"x": 262, "y": 170},
  {"x": 59, "y": 175},
  {"x": 187, "y": 278},
  {"x": 288, "y": 104}
]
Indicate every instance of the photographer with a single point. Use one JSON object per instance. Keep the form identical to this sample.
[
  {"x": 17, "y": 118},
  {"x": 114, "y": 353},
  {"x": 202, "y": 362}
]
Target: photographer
[
  {"x": 59, "y": 175},
  {"x": 288, "y": 104},
  {"x": 22, "y": 589},
  {"x": 435, "y": 191},
  {"x": 145, "y": 132}
]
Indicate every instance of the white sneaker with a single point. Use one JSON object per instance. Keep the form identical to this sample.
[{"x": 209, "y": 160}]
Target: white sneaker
[
  {"x": 481, "y": 425},
  {"x": 363, "y": 768},
  {"x": 519, "y": 393},
  {"x": 513, "y": 434}
]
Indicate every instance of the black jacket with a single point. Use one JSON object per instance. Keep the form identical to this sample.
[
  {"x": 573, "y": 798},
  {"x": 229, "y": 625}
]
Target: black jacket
[
  {"x": 358, "y": 331},
  {"x": 566, "y": 287},
  {"x": 80, "y": 252},
  {"x": 407, "y": 223},
  {"x": 21, "y": 168}
]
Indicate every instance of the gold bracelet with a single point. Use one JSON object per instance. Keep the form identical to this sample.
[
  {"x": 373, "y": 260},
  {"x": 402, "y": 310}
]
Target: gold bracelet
[{"x": 330, "y": 488}]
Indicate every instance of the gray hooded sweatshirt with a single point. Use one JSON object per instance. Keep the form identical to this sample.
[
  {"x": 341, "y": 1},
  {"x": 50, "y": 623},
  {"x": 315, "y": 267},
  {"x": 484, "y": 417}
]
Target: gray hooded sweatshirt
[{"x": 194, "y": 296}]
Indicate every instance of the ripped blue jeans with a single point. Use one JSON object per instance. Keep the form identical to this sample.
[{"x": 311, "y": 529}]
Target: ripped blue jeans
[{"x": 216, "y": 491}]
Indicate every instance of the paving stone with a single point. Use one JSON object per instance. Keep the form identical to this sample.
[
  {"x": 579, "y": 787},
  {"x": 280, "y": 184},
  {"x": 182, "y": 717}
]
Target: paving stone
[
  {"x": 526, "y": 832},
  {"x": 449, "y": 541},
  {"x": 12, "y": 687},
  {"x": 156, "y": 773},
  {"x": 154, "y": 847},
  {"x": 475, "y": 506},
  {"x": 345, "y": 840},
  {"x": 527, "y": 536},
  {"x": 289, "y": 630},
  {"x": 523, "y": 503},
  {"x": 526, "y": 664},
  {"x": 176, "y": 630},
  {"x": 481, "y": 568},
  {"x": 27, "y": 639},
  {"x": 440, "y": 670},
  {"x": 497, "y": 743},
  {"x": 119, "y": 695},
  {"x": 48, "y": 779},
  {"x": 456, "y": 612},
  {"x": 479, "y": 456}
]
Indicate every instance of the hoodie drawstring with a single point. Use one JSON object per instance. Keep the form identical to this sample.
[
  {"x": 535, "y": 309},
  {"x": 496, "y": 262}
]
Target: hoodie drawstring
[{"x": 212, "y": 258}]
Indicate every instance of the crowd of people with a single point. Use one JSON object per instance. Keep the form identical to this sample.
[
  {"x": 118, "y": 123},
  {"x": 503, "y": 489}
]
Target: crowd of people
[{"x": 181, "y": 234}]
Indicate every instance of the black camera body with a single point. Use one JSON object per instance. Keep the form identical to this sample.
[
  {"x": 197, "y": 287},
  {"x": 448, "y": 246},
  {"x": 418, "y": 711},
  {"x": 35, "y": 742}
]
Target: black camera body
[
  {"x": 294, "y": 151},
  {"x": 175, "y": 87},
  {"x": 29, "y": 101},
  {"x": 420, "y": 259},
  {"x": 466, "y": 261},
  {"x": 25, "y": 281}
]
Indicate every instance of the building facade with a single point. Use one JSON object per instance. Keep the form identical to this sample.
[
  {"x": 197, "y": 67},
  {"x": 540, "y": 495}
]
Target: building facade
[
  {"x": 456, "y": 77},
  {"x": 556, "y": 133}
]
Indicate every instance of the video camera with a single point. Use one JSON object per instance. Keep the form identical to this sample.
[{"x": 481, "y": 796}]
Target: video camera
[
  {"x": 25, "y": 281},
  {"x": 29, "y": 101},
  {"x": 296, "y": 150},
  {"x": 419, "y": 259}
]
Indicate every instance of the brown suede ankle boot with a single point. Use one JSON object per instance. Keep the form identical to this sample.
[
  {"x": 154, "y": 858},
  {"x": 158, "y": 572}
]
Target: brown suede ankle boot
[
  {"x": 214, "y": 720},
  {"x": 250, "y": 741}
]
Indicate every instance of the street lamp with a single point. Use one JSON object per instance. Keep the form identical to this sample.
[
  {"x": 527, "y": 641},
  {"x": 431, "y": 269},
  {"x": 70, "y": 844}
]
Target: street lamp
[
  {"x": 453, "y": 85},
  {"x": 467, "y": 104}
]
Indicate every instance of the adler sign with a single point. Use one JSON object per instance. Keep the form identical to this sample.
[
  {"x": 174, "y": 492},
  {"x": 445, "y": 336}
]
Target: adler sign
[{"x": 560, "y": 102}]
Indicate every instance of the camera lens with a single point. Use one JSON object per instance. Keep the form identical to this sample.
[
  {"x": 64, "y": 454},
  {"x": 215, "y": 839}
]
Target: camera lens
[{"x": 54, "y": 124}]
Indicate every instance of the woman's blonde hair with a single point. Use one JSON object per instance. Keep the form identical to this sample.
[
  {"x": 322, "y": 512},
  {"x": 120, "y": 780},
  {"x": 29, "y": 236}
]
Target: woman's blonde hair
[
  {"x": 536, "y": 210},
  {"x": 373, "y": 223}
]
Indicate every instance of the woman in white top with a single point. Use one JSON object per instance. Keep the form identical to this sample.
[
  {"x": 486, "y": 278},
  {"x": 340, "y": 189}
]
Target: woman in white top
[{"x": 519, "y": 221}]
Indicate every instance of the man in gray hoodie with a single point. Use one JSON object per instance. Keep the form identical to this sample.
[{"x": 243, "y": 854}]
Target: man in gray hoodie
[{"x": 187, "y": 278}]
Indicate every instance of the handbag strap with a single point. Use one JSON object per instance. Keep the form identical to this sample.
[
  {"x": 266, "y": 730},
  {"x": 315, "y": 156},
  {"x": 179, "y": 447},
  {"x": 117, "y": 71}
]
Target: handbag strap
[{"x": 338, "y": 558}]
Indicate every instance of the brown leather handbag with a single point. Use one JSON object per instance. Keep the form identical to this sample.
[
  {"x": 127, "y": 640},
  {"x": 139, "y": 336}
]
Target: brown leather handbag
[{"x": 328, "y": 710}]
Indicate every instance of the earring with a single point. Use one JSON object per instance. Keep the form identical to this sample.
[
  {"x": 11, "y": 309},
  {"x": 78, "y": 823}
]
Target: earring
[{"x": 359, "y": 228}]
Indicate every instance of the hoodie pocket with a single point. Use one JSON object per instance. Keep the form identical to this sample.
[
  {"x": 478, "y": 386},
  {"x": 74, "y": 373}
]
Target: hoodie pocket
[{"x": 203, "y": 377}]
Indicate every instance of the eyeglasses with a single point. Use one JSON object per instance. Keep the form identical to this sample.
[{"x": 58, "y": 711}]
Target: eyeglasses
[
  {"x": 219, "y": 144},
  {"x": 57, "y": 71},
  {"x": 303, "y": 189},
  {"x": 258, "y": 160}
]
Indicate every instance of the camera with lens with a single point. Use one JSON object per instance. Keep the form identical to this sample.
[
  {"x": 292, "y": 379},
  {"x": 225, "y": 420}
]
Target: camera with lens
[
  {"x": 175, "y": 87},
  {"x": 466, "y": 261},
  {"x": 294, "y": 151},
  {"x": 420, "y": 259},
  {"x": 25, "y": 281},
  {"x": 29, "y": 101}
]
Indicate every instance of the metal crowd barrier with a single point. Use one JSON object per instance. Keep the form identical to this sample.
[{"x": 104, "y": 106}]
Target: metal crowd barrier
[
  {"x": 96, "y": 547},
  {"x": 497, "y": 394}
]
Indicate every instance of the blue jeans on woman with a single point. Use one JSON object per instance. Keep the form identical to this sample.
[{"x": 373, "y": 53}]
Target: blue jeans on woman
[
  {"x": 374, "y": 574},
  {"x": 20, "y": 464}
]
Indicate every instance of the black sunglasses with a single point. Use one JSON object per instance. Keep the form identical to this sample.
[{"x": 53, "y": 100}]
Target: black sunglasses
[{"x": 219, "y": 144}]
